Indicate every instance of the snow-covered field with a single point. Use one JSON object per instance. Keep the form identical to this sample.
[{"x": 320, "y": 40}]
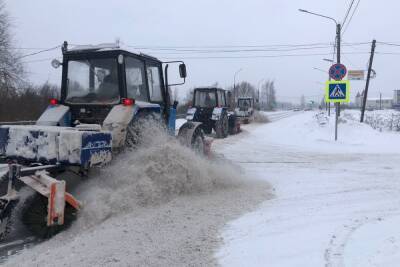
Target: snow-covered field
[{"x": 336, "y": 204}]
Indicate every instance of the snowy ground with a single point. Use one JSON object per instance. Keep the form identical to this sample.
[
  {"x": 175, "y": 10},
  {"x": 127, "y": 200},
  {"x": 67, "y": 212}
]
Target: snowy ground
[
  {"x": 381, "y": 120},
  {"x": 336, "y": 204}
]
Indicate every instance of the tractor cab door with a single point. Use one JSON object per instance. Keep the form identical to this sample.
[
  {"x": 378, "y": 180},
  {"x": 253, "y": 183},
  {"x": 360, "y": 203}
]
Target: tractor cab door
[{"x": 157, "y": 90}]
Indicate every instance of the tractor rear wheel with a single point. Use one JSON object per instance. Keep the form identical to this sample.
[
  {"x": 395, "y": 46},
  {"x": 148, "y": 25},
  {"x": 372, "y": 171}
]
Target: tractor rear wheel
[
  {"x": 34, "y": 217},
  {"x": 222, "y": 126}
]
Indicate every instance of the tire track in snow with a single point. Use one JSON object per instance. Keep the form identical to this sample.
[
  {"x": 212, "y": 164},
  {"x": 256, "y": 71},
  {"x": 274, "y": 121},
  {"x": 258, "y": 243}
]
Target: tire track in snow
[{"x": 334, "y": 254}]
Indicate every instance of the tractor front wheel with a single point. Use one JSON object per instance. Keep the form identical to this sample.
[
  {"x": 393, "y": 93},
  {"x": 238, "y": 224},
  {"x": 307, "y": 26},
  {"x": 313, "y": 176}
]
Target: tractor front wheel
[
  {"x": 197, "y": 143},
  {"x": 34, "y": 217}
]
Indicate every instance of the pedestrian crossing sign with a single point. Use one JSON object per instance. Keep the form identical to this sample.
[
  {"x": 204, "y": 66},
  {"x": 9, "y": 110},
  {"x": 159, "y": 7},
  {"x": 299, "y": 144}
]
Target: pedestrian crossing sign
[{"x": 337, "y": 91}]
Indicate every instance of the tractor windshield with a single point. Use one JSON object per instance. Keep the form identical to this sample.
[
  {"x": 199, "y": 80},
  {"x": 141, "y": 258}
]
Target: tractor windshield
[
  {"x": 92, "y": 81},
  {"x": 205, "y": 99},
  {"x": 244, "y": 103}
]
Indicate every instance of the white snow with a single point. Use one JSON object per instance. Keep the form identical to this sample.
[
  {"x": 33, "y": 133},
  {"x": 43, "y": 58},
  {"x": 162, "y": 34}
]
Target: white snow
[
  {"x": 159, "y": 205},
  {"x": 53, "y": 115},
  {"x": 336, "y": 203},
  {"x": 305, "y": 133},
  {"x": 52, "y": 143}
]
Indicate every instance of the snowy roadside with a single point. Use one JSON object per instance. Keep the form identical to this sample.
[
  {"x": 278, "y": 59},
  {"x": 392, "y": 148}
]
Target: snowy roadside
[{"x": 334, "y": 205}]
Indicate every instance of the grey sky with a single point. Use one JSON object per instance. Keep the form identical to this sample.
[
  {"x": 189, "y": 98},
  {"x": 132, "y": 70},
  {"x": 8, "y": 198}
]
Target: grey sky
[{"x": 47, "y": 23}]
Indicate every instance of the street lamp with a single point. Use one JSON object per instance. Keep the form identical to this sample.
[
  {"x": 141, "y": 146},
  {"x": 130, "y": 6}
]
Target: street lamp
[
  {"x": 338, "y": 36},
  {"x": 328, "y": 60},
  {"x": 338, "y": 29}
]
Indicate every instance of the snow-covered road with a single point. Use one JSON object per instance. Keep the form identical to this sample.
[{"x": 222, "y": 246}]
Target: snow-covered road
[{"x": 335, "y": 205}]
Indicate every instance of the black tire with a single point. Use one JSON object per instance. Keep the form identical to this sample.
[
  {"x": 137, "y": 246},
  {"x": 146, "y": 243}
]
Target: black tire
[
  {"x": 134, "y": 130},
  {"x": 6, "y": 209},
  {"x": 34, "y": 217},
  {"x": 198, "y": 141},
  {"x": 206, "y": 129},
  {"x": 233, "y": 130},
  {"x": 5, "y": 218},
  {"x": 132, "y": 136},
  {"x": 222, "y": 126}
]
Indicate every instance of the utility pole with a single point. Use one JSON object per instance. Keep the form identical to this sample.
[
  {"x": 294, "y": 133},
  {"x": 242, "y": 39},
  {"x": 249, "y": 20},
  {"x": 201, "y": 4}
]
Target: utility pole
[
  {"x": 380, "y": 100},
  {"x": 338, "y": 30},
  {"x": 371, "y": 59}
]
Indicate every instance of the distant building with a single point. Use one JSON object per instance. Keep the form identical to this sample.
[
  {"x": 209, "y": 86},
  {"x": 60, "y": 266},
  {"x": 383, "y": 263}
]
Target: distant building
[{"x": 377, "y": 103}]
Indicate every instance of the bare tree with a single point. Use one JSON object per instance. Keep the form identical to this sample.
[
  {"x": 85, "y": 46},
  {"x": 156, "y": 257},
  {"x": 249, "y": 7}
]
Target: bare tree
[
  {"x": 268, "y": 96},
  {"x": 11, "y": 70}
]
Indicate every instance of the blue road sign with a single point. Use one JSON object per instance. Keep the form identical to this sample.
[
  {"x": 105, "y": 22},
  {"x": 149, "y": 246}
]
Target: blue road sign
[
  {"x": 337, "y": 72},
  {"x": 337, "y": 91}
]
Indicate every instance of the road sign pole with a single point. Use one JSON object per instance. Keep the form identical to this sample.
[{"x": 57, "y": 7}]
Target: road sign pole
[
  {"x": 337, "y": 92},
  {"x": 338, "y": 34},
  {"x": 336, "y": 120}
]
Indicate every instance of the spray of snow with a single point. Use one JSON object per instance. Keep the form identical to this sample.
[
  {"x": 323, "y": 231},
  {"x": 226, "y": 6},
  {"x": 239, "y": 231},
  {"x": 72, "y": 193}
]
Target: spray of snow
[
  {"x": 156, "y": 171},
  {"x": 260, "y": 117}
]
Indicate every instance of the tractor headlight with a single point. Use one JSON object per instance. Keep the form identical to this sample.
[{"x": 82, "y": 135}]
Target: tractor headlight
[{"x": 190, "y": 114}]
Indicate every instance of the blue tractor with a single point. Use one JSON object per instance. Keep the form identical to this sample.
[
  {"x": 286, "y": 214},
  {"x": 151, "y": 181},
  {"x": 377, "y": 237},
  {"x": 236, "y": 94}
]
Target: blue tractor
[{"x": 105, "y": 92}]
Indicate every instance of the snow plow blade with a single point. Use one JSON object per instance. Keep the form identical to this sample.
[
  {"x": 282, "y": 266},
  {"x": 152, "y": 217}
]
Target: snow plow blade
[
  {"x": 53, "y": 144},
  {"x": 41, "y": 182}
]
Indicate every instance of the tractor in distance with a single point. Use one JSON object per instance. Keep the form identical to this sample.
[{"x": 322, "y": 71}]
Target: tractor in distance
[
  {"x": 210, "y": 107},
  {"x": 106, "y": 91},
  {"x": 245, "y": 109}
]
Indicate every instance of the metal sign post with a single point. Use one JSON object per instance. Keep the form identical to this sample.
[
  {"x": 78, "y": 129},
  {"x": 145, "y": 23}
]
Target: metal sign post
[{"x": 337, "y": 92}]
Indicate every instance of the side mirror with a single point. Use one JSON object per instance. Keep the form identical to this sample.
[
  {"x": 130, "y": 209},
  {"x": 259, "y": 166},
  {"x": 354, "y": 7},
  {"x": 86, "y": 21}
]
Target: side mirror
[
  {"x": 182, "y": 70},
  {"x": 55, "y": 63}
]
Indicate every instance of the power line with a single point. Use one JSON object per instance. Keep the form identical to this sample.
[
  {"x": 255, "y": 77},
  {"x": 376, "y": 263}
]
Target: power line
[
  {"x": 223, "y": 46},
  {"x": 38, "y": 60},
  {"x": 354, "y": 11},
  {"x": 28, "y": 48},
  {"x": 39, "y": 52},
  {"x": 182, "y": 51},
  {"x": 238, "y": 47},
  {"x": 260, "y": 56},
  {"x": 348, "y": 12},
  {"x": 388, "y": 43}
]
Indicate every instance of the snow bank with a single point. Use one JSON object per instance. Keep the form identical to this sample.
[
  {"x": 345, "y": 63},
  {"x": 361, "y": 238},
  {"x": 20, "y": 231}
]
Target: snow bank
[
  {"x": 306, "y": 132},
  {"x": 156, "y": 172},
  {"x": 382, "y": 120}
]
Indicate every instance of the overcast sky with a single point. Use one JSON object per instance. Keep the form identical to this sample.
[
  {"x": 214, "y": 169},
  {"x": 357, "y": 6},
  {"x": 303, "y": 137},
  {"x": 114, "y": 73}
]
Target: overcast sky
[{"x": 47, "y": 23}]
